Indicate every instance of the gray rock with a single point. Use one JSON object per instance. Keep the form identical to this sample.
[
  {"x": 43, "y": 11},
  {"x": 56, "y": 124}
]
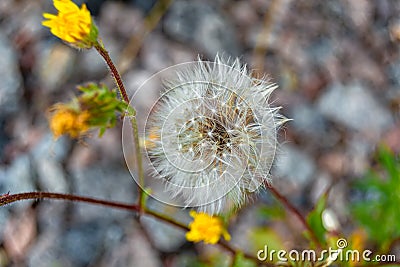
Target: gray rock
[
  {"x": 61, "y": 245},
  {"x": 10, "y": 77},
  {"x": 105, "y": 183},
  {"x": 45, "y": 250},
  {"x": 51, "y": 215},
  {"x": 4, "y": 138},
  {"x": 356, "y": 108},
  {"x": 201, "y": 25},
  {"x": 18, "y": 177},
  {"x": 308, "y": 120},
  {"x": 47, "y": 156},
  {"x": 91, "y": 64},
  {"x": 294, "y": 165},
  {"x": 55, "y": 64},
  {"x": 393, "y": 72},
  {"x": 155, "y": 54},
  {"x": 320, "y": 50},
  {"x": 82, "y": 243},
  {"x": 4, "y": 214},
  {"x": 165, "y": 237},
  {"x": 359, "y": 152},
  {"x": 77, "y": 246},
  {"x": 47, "y": 148},
  {"x": 51, "y": 176},
  {"x": 133, "y": 250}
]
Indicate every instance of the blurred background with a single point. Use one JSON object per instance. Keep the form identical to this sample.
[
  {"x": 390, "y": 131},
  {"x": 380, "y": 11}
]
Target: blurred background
[{"x": 337, "y": 64}]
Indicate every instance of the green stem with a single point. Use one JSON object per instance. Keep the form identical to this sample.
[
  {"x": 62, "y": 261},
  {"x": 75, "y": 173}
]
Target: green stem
[
  {"x": 118, "y": 80},
  {"x": 142, "y": 193}
]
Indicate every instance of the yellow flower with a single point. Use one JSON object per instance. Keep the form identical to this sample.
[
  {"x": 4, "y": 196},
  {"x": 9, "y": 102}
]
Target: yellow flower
[
  {"x": 72, "y": 24},
  {"x": 206, "y": 228},
  {"x": 65, "y": 120}
]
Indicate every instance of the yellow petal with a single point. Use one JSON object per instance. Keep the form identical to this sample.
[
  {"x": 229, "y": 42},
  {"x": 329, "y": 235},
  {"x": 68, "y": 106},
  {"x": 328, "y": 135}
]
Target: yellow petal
[{"x": 65, "y": 6}]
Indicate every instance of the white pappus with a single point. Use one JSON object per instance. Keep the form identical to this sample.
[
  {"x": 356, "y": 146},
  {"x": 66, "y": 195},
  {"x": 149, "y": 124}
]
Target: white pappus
[{"x": 213, "y": 135}]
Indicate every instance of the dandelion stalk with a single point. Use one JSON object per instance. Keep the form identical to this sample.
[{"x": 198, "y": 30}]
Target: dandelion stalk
[
  {"x": 139, "y": 162},
  {"x": 118, "y": 80},
  {"x": 114, "y": 72}
]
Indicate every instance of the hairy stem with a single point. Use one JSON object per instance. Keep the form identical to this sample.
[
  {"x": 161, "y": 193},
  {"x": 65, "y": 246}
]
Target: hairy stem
[
  {"x": 114, "y": 72},
  {"x": 118, "y": 80},
  {"x": 8, "y": 199}
]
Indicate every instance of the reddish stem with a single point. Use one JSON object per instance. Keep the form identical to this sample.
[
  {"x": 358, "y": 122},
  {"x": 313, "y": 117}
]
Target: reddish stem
[
  {"x": 114, "y": 71},
  {"x": 8, "y": 199},
  {"x": 296, "y": 212}
]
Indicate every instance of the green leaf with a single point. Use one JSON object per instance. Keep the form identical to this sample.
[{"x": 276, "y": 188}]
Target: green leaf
[
  {"x": 378, "y": 210},
  {"x": 314, "y": 219},
  {"x": 272, "y": 212},
  {"x": 262, "y": 237},
  {"x": 241, "y": 261}
]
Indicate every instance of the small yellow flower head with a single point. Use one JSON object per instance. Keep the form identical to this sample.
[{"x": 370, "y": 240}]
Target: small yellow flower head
[
  {"x": 72, "y": 24},
  {"x": 95, "y": 107},
  {"x": 206, "y": 228},
  {"x": 66, "y": 120}
]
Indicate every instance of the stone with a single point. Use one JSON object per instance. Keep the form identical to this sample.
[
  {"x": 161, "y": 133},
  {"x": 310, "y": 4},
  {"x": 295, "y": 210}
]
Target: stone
[
  {"x": 10, "y": 77},
  {"x": 47, "y": 148},
  {"x": 55, "y": 64},
  {"x": 82, "y": 243},
  {"x": 201, "y": 25},
  {"x": 356, "y": 108},
  {"x": 18, "y": 177},
  {"x": 165, "y": 237},
  {"x": 308, "y": 120},
  {"x": 133, "y": 250},
  {"x": 294, "y": 165},
  {"x": 104, "y": 182}
]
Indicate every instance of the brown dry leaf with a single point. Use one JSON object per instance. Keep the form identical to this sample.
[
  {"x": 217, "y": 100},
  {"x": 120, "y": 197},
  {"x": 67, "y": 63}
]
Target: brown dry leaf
[{"x": 19, "y": 232}]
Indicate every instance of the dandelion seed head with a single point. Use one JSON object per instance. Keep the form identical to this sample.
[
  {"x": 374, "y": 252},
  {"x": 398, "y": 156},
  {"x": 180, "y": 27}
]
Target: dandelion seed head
[{"x": 216, "y": 135}]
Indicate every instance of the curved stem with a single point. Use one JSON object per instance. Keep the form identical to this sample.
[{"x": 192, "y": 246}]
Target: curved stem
[
  {"x": 114, "y": 72},
  {"x": 118, "y": 80},
  {"x": 8, "y": 199},
  {"x": 167, "y": 219},
  {"x": 285, "y": 202}
]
